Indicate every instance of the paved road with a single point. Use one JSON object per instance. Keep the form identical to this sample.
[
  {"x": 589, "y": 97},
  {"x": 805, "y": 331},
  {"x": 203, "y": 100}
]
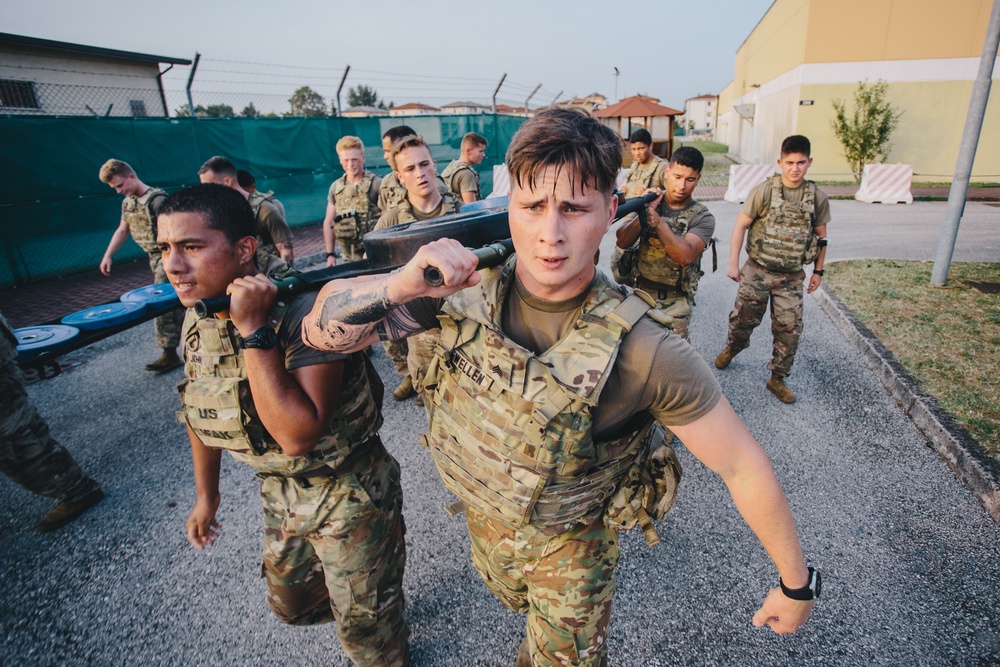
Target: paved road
[{"x": 909, "y": 557}]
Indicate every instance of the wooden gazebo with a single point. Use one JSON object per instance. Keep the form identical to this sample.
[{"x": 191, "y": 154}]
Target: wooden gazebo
[{"x": 643, "y": 111}]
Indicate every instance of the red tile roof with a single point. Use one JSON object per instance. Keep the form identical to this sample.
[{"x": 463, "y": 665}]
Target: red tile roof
[{"x": 638, "y": 106}]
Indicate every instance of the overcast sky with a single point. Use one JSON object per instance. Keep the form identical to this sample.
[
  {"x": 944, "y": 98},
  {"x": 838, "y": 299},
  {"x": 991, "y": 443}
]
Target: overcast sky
[{"x": 433, "y": 51}]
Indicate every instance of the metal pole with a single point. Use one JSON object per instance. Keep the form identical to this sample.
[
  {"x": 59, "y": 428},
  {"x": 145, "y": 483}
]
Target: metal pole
[
  {"x": 967, "y": 151},
  {"x": 159, "y": 85},
  {"x": 341, "y": 87},
  {"x": 194, "y": 68},
  {"x": 497, "y": 91},
  {"x": 529, "y": 99},
  {"x": 616, "y": 84},
  {"x": 554, "y": 99}
]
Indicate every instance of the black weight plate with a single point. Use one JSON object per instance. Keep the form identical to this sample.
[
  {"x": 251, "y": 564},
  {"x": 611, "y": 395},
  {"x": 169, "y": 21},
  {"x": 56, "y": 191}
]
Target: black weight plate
[{"x": 394, "y": 246}]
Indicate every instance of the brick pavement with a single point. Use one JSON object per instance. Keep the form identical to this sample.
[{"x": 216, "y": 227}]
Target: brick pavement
[{"x": 48, "y": 301}]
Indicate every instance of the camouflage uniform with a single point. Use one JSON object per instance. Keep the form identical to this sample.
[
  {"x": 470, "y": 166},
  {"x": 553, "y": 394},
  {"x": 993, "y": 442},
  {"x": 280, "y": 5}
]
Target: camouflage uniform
[
  {"x": 271, "y": 230},
  {"x": 391, "y": 192},
  {"x": 640, "y": 179},
  {"x": 29, "y": 455},
  {"x": 347, "y": 197},
  {"x": 454, "y": 173},
  {"x": 140, "y": 214},
  {"x": 778, "y": 245},
  {"x": 672, "y": 285},
  {"x": 412, "y": 355},
  {"x": 333, "y": 523},
  {"x": 511, "y": 434}
]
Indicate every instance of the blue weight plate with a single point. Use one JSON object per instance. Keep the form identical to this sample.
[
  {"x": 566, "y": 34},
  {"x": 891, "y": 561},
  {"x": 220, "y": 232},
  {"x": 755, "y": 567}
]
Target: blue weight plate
[
  {"x": 105, "y": 315},
  {"x": 35, "y": 340},
  {"x": 153, "y": 295}
]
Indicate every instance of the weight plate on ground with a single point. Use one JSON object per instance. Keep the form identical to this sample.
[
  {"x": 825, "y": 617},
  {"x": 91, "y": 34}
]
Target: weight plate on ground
[
  {"x": 490, "y": 203},
  {"x": 105, "y": 315},
  {"x": 159, "y": 294},
  {"x": 35, "y": 340},
  {"x": 394, "y": 246}
]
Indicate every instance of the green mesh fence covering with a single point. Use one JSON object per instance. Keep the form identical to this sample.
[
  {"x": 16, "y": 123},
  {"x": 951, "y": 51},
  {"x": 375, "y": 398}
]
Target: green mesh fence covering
[{"x": 56, "y": 217}]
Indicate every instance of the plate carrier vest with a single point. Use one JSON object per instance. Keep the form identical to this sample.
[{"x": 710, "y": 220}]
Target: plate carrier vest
[
  {"x": 141, "y": 220},
  {"x": 784, "y": 240},
  {"x": 656, "y": 265},
  {"x": 354, "y": 197},
  {"x": 216, "y": 402},
  {"x": 511, "y": 431},
  {"x": 640, "y": 179},
  {"x": 452, "y": 170},
  {"x": 448, "y": 205}
]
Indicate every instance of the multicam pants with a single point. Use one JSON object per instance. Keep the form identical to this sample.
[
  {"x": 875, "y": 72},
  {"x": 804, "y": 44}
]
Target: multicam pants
[
  {"x": 334, "y": 550},
  {"x": 397, "y": 351},
  {"x": 420, "y": 351},
  {"x": 564, "y": 583},
  {"x": 758, "y": 286},
  {"x": 351, "y": 250},
  {"x": 168, "y": 326},
  {"x": 29, "y": 455}
]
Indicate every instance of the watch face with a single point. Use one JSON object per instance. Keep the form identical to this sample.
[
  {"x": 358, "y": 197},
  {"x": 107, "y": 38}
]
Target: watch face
[{"x": 264, "y": 338}]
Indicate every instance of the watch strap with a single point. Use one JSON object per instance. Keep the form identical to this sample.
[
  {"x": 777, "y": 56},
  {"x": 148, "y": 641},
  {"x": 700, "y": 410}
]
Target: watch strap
[{"x": 810, "y": 591}]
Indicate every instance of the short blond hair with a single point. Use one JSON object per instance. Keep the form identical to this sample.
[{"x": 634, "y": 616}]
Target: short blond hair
[
  {"x": 411, "y": 141},
  {"x": 113, "y": 168},
  {"x": 348, "y": 142}
]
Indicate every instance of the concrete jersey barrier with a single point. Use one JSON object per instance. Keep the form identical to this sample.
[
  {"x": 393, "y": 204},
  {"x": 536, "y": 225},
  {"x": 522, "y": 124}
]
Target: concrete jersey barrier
[
  {"x": 886, "y": 184},
  {"x": 743, "y": 178}
]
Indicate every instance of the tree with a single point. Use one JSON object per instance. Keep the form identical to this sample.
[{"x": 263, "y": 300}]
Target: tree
[
  {"x": 307, "y": 102},
  {"x": 250, "y": 111},
  {"x": 865, "y": 134},
  {"x": 215, "y": 111},
  {"x": 362, "y": 96},
  {"x": 184, "y": 111}
]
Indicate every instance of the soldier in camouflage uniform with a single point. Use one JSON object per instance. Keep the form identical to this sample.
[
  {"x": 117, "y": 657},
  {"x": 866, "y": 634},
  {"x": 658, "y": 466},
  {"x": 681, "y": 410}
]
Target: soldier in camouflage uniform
[
  {"x": 786, "y": 217},
  {"x": 275, "y": 257},
  {"x": 413, "y": 165},
  {"x": 543, "y": 394},
  {"x": 29, "y": 455},
  {"x": 306, "y": 421},
  {"x": 648, "y": 172},
  {"x": 139, "y": 210},
  {"x": 461, "y": 176},
  {"x": 670, "y": 246},
  {"x": 355, "y": 192}
]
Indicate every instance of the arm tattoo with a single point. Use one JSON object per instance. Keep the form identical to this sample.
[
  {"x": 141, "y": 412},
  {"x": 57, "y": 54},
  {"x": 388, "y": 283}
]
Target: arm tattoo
[{"x": 350, "y": 316}]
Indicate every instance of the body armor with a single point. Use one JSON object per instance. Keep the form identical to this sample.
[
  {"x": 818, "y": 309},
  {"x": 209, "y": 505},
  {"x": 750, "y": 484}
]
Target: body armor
[
  {"x": 657, "y": 266},
  {"x": 349, "y": 197},
  {"x": 783, "y": 240},
  {"x": 452, "y": 170},
  {"x": 511, "y": 431},
  {"x": 266, "y": 245},
  {"x": 141, "y": 220},
  {"x": 218, "y": 406},
  {"x": 640, "y": 178}
]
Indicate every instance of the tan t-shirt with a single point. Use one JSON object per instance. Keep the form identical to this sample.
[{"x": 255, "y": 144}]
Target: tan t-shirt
[
  {"x": 759, "y": 201},
  {"x": 391, "y": 217},
  {"x": 655, "y": 370},
  {"x": 271, "y": 225}
]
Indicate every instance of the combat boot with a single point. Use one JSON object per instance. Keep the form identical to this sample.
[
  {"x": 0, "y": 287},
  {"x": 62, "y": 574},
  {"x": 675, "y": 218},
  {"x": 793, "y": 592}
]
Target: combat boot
[
  {"x": 68, "y": 511},
  {"x": 725, "y": 358},
  {"x": 404, "y": 390},
  {"x": 776, "y": 385},
  {"x": 168, "y": 361}
]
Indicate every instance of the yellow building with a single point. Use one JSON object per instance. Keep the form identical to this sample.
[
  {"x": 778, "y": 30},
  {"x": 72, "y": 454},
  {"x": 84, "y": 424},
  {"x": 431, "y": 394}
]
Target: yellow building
[{"x": 803, "y": 54}]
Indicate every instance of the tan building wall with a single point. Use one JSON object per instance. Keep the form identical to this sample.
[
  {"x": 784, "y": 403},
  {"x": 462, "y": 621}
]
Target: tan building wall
[{"x": 818, "y": 50}]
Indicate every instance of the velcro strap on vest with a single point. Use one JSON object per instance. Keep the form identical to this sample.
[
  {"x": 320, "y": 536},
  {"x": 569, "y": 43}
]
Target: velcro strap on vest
[
  {"x": 631, "y": 310},
  {"x": 558, "y": 401},
  {"x": 457, "y": 507}
]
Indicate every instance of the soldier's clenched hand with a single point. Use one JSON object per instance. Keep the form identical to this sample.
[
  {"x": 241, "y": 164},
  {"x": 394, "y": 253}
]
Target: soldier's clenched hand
[{"x": 456, "y": 263}]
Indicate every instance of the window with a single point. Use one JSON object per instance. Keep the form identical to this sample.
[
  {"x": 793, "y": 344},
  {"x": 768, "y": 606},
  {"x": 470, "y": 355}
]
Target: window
[
  {"x": 137, "y": 107},
  {"x": 18, "y": 94}
]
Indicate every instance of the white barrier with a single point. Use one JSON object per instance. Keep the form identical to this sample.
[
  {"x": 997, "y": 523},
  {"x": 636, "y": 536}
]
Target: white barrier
[
  {"x": 501, "y": 181},
  {"x": 886, "y": 184},
  {"x": 743, "y": 178}
]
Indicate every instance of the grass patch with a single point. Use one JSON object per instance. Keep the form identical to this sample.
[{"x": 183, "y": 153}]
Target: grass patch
[
  {"x": 705, "y": 146},
  {"x": 947, "y": 338}
]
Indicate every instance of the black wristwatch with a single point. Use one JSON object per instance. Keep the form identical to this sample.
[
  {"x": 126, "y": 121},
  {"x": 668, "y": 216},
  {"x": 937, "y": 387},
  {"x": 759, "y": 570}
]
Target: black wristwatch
[
  {"x": 263, "y": 339},
  {"x": 818, "y": 272},
  {"x": 810, "y": 591}
]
